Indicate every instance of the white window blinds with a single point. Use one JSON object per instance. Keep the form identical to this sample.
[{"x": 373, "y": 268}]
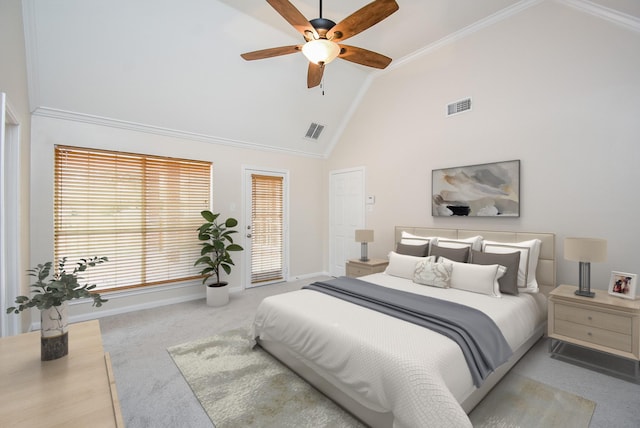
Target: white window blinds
[
  {"x": 267, "y": 224},
  {"x": 140, "y": 211}
]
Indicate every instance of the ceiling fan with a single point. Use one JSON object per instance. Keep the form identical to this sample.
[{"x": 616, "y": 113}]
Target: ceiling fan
[{"x": 322, "y": 36}]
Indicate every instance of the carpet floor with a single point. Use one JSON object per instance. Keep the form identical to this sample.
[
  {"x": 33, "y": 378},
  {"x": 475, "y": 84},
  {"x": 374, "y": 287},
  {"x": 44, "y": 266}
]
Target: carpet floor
[
  {"x": 518, "y": 401},
  {"x": 153, "y": 393},
  {"x": 240, "y": 385}
]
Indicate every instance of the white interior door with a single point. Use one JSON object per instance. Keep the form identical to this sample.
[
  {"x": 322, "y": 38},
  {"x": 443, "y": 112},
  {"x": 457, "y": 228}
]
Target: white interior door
[
  {"x": 346, "y": 214},
  {"x": 265, "y": 226}
]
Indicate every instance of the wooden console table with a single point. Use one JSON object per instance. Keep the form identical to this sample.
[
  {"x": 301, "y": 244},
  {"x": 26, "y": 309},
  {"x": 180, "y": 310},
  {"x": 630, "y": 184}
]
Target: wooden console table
[{"x": 77, "y": 390}]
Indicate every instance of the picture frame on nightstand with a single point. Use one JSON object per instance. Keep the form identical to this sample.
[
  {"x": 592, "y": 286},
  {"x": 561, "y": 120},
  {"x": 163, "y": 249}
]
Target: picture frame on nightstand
[{"x": 623, "y": 285}]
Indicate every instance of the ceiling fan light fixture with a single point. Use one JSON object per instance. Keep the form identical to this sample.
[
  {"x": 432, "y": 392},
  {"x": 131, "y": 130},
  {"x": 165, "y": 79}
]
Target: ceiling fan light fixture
[{"x": 321, "y": 51}]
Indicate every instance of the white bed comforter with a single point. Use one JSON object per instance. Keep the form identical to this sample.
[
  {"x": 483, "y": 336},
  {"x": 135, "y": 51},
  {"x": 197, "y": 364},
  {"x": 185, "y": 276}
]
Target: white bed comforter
[{"x": 386, "y": 364}]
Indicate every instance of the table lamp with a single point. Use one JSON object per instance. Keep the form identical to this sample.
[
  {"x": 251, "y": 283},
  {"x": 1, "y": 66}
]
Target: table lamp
[
  {"x": 364, "y": 236},
  {"x": 585, "y": 251}
]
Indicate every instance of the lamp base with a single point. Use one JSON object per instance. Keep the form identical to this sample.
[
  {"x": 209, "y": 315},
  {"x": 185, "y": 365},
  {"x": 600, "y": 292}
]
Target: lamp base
[
  {"x": 584, "y": 280},
  {"x": 585, "y": 293},
  {"x": 363, "y": 252}
]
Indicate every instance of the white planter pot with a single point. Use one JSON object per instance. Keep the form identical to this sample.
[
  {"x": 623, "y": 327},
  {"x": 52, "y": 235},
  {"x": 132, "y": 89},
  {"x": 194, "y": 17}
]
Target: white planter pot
[{"x": 218, "y": 296}]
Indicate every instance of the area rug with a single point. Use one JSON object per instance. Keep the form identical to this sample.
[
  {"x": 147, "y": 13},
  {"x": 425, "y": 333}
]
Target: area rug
[
  {"x": 242, "y": 386},
  {"x": 520, "y": 402}
]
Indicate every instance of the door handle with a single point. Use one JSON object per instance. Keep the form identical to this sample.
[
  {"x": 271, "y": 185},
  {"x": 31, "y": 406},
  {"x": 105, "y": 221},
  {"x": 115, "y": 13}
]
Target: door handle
[{"x": 248, "y": 235}]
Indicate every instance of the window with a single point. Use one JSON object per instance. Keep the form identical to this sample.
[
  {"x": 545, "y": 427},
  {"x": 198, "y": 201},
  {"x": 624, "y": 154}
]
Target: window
[
  {"x": 267, "y": 228},
  {"x": 140, "y": 211}
]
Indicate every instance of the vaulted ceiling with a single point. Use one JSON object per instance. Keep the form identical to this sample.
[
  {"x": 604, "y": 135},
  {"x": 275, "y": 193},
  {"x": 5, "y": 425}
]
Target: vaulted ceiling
[{"x": 174, "y": 66}]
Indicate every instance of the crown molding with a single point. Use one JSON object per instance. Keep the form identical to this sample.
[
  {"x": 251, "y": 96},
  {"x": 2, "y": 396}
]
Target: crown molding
[
  {"x": 151, "y": 129},
  {"x": 465, "y": 32},
  {"x": 622, "y": 19}
]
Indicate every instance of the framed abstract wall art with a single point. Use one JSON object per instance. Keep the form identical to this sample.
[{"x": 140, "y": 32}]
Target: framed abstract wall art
[{"x": 485, "y": 190}]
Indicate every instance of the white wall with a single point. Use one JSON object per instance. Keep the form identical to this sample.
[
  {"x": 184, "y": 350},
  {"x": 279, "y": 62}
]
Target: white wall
[
  {"x": 13, "y": 81},
  {"x": 554, "y": 87},
  {"x": 306, "y": 205}
]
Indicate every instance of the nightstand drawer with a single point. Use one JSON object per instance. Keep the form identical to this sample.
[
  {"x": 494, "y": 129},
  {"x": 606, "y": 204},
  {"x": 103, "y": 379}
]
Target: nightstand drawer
[
  {"x": 594, "y": 335},
  {"x": 589, "y": 317},
  {"x": 356, "y": 268},
  {"x": 354, "y": 271}
]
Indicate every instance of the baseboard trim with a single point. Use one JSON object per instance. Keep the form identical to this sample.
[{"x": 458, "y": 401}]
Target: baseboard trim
[{"x": 193, "y": 292}]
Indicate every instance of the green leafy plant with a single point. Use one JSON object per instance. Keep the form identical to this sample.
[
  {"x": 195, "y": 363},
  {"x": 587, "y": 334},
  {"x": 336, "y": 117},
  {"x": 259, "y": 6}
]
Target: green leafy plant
[
  {"x": 216, "y": 245},
  {"x": 62, "y": 286}
]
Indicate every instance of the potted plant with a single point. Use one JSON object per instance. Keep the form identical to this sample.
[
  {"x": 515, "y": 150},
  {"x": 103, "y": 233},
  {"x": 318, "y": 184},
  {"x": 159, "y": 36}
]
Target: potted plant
[
  {"x": 216, "y": 245},
  {"x": 50, "y": 295}
]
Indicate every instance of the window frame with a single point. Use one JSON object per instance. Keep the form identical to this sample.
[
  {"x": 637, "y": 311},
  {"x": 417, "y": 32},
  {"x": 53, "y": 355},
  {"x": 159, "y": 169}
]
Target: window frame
[{"x": 163, "y": 174}]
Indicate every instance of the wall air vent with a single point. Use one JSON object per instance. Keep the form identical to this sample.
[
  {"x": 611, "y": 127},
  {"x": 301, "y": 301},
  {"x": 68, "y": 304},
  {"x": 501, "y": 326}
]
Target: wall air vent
[
  {"x": 314, "y": 131},
  {"x": 459, "y": 106}
]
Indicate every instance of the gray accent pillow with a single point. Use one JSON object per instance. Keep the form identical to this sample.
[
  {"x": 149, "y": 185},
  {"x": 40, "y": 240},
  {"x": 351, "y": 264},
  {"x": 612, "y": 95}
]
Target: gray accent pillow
[
  {"x": 509, "y": 281},
  {"x": 456, "y": 254},
  {"x": 413, "y": 250}
]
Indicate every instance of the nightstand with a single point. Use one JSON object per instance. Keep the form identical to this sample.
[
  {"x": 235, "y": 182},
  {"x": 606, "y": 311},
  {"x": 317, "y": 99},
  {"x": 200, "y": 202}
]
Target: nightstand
[
  {"x": 603, "y": 323},
  {"x": 356, "y": 268}
]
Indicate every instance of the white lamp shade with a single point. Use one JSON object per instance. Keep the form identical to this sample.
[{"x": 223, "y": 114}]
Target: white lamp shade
[
  {"x": 585, "y": 249},
  {"x": 321, "y": 51},
  {"x": 364, "y": 235}
]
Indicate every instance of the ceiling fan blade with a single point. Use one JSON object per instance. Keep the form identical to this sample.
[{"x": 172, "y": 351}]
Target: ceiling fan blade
[
  {"x": 364, "y": 56},
  {"x": 362, "y": 19},
  {"x": 314, "y": 75},
  {"x": 295, "y": 18},
  {"x": 271, "y": 52}
]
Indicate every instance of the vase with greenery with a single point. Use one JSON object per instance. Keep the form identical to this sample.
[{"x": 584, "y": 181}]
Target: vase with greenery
[
  {"x": 217, "y": 243},
  {"x": 50, "y": 295}
]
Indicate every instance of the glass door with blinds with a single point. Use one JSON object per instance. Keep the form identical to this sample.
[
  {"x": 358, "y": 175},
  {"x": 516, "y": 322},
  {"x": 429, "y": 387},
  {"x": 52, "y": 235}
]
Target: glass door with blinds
[{"x": 265, "y": 227}]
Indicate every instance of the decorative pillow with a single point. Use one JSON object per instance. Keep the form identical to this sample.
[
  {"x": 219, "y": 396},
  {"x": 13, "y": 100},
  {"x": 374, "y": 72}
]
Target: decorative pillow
[
  {"x": 509, "y": 281},
  {"x": 529, "y": 252},
  {"x": 475, "y": 242},
  {"x": 402, "y": 265},
  {"x": 456, "y": 254},
  {"x": 428, "y": 272},
  {"x": 410, "y": 239},
  {"x": 413, "y": 250},
  {"x": 477, "y": 278}
]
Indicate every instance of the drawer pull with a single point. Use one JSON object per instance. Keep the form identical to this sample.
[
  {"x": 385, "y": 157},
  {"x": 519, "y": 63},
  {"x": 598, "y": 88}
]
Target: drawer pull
[
  {"x": 589, "y": 333},
  {"x": 589, "y": 318}
]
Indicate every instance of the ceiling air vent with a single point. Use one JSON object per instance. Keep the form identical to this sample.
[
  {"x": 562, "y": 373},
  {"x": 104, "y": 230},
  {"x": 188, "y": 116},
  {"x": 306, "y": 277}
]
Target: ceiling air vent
[
  {"x": 314, "y": 131},
  {"x": 459, "y": 106}
]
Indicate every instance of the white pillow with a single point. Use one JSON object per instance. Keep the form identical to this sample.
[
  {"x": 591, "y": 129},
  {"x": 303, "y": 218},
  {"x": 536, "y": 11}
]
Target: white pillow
[
  {"x": 477, "y": 278},
  {"x": 410, "y": 239},
  {"x": 402, "y": 265},
  {"x": 475, "y": 242},
  {"x": 428, "y": 272},
  {"x": 529, "y": 252}
]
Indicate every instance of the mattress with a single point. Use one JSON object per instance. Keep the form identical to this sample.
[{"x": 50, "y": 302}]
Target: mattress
[{"x": 383, "y": 363}]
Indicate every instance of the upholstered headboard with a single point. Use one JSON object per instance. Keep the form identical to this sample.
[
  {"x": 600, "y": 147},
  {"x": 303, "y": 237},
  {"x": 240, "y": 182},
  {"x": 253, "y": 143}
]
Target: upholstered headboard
[{"x": 546, "y": 270}]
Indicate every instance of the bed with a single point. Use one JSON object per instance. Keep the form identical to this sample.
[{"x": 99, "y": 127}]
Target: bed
[{"x": 392, "y": 373}]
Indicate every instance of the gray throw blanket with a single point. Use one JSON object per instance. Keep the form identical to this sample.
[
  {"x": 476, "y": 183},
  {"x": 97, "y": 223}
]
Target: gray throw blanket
[{"x": 483, "y": 345}]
